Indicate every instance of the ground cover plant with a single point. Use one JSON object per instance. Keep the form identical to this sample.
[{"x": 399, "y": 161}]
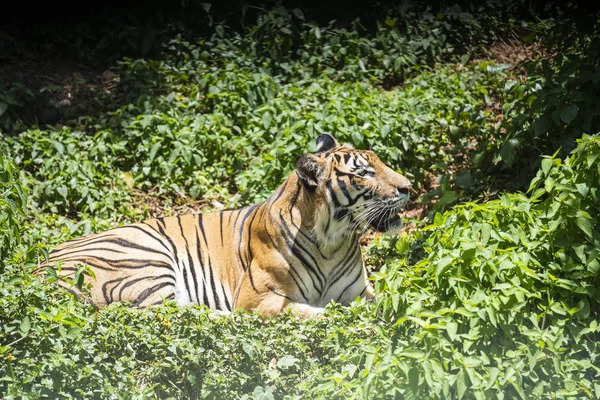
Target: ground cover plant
[{"x": 491, "y": 111}]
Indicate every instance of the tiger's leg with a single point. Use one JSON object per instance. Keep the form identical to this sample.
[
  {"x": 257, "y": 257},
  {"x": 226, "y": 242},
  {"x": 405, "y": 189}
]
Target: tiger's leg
[
  {"x": 368, "y": 294},
  {"x": 273, "y": 305},
  {"x": 270, "y": 302}
]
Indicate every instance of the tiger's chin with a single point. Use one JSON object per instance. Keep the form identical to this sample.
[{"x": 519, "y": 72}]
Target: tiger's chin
[{"x": 387, "y": 225}]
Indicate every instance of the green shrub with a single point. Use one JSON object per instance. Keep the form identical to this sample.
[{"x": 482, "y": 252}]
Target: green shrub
[
  {"x": 12, "y": 203},
  {"x": 559, "y": 100},
  {"x": 505, "y": 303}
]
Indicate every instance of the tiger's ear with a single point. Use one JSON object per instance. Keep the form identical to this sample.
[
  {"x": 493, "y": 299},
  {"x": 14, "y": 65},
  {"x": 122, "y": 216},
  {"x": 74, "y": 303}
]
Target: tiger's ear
[
  {"x": 310, "y": 169},
  {"x": 326, "y": 142}
]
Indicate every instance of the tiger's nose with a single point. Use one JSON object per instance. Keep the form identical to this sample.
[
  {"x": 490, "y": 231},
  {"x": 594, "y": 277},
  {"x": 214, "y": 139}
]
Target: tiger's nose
[{"x": 403, "y": 191}]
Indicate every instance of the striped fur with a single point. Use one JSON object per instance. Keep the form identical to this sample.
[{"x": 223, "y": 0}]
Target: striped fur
[{"x": 297, "y": 249}]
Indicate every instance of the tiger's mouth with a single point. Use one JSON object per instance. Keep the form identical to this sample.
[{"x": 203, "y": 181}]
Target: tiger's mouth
[{"x": 387, "y": 221}]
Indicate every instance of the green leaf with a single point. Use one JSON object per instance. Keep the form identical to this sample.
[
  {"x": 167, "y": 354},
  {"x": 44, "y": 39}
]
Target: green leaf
[
  {"x": 385, "y": 130},
  {"x": 59, "y": 147},
  {"x": 261, "y": 393},
  {"x": 584, "y": 222},
  {"x": 546, "y": 165},
  {"x": 266, "y": 119},
  {"x": 413, "y": 379},
  {"x": 451, "y": 328},
  {"x": 25, "y": 325},
  {"x": 73, "y": 332},
  {"x": 508, "y": 151},
  {"x": 541, "y": 125},
  {"x": 568, "y": 114},
  {"x": 441, "y": 266},
  {"x": 153, "y": 151},
  {"x": 286, "y": 362},
  {"x": 298, "y": 13},
  {"x": 62, "y": 190},
  {"x": 461, "y": 383},
  {"x": 583, "y": 189}
]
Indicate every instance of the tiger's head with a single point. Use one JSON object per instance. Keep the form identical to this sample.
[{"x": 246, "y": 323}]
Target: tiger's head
[{"x": 351, "y": 190}]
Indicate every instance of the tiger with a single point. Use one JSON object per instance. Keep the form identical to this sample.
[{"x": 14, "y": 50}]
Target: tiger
[{"x": 297, "y": 250}]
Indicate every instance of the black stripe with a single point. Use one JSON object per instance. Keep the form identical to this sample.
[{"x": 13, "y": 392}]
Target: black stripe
[
  {"x": 279, "y": 294},
  {"x": 349, "y": 286},
  {"x": 221, "y": 226},
  {"x": 354, "y": 184},
  {"x": 169, "y": 297},
  {"x": 213, "y": 286},
  {"x": 341, "y": 272},
  {"x": 158, "y": 239},
  {"x": 249, "y": 251},
  {"x": 128, "y": 244},
  {"x": 225, "y": 296},
  {"x": 190, "y": 261},
  {"x": 344, "y": 189},
  {"x": 296, "y": 195},
  {"x": 304, "y": 235},
  {"x": 134, "y": 281},
  {"x": 210, "y": 269},
  {"x": 339, "y": 172},
  {"x": 149, "y": 291},
  {"x": 336, "y": 202},
  {"x": 87, "y": 251},
  {"x": 163, "y": 233},
  {"x": 349, "y": 256},
  {"x": 204, "y": 280},
  {"x": 281, "y": 191},
  {"x": 290, "y": 270},
  {"x": 85, "y": 239},
  {"x": 296, "y": 250},
  {"x": 341, "y": 213},
  {"x": 183, "y": 272},
  {"x": 362, "y": 291},
  {"x": 241, "y": 232},
  {"x": 113, "y": 264},
  {"x": 110, "y": 299}
]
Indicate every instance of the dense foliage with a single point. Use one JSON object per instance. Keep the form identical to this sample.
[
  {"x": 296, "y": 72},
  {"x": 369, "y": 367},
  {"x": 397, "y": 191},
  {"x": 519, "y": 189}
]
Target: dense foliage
[
  {"x": 12, "y": 201},
  {"x": 494, "y": 294}
]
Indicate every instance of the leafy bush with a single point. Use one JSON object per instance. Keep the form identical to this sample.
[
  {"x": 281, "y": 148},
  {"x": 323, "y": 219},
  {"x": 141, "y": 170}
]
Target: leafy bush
[
  {"x": 12, "y": 202},
  {"x": 559, "y": 100},
  {"x": 505, "y": 303}
]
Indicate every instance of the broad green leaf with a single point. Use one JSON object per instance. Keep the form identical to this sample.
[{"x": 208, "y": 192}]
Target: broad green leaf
[
  {"x": 584, "y": 222},
  {"x": 546, "y": 165},
  {"x": 62, "y": 190},
  {"x": 413, "y": 379},
  {"x": 568, "y": 113},
  {"x": 451, "y": 328},
  {"x": 461, "y": 383},
  {"x": 25, "y": 325},
  {"x": 508, "y": 151},
  {"x": 441, "y": 266},
  {"x": 286, "y": 362},
  {"x": 541, "y": 125}
]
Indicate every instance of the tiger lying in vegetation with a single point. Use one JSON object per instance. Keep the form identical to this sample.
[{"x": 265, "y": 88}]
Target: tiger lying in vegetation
[{"x": 297, "y": 249}]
